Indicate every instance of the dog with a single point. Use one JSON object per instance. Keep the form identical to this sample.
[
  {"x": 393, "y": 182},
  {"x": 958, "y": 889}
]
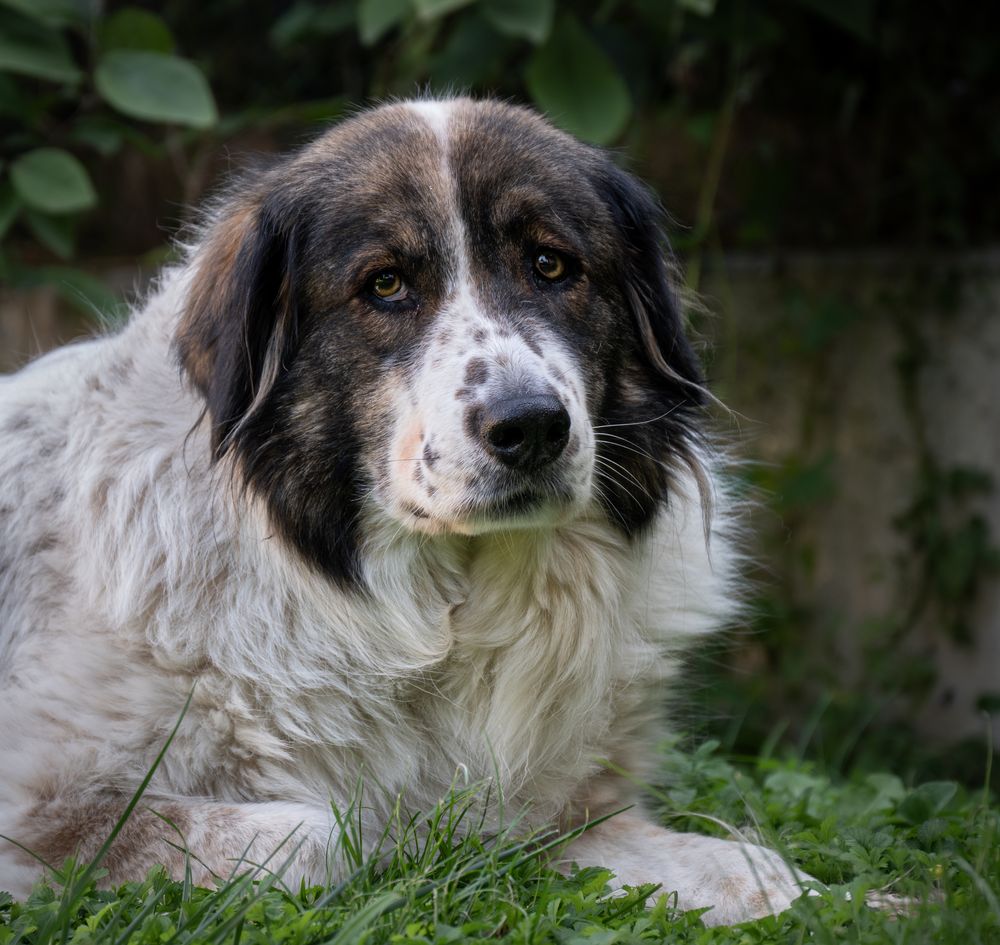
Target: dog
[{"x": 400, "y": 472}]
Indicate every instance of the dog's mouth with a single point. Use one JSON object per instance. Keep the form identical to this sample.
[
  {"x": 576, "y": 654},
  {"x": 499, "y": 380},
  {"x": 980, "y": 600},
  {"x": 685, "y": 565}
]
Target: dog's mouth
[
  {"x": 515, "y": 503},
  {"x": 522, "y": 507}
]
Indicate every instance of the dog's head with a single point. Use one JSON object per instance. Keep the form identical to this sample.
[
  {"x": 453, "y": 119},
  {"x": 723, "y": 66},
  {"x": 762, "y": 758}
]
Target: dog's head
[{"x": 446, "y": 313}]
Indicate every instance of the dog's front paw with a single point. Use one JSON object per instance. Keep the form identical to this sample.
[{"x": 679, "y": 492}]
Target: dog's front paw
[{"x": 736, "y": 881}]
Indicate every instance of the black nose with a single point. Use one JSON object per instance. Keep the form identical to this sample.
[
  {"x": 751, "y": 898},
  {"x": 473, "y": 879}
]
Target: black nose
[{"x": 524, "y": 432}]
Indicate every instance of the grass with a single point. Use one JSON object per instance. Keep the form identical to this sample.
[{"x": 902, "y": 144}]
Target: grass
[{"x": 440, "y": 879}]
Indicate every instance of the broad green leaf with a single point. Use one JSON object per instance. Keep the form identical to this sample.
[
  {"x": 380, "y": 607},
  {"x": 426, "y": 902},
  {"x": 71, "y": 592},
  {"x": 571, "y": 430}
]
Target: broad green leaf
[
  {"x": 377, "y": 17},
  {"x": 525, "y": 19},
  {"x": 132, "y": 28},
  {"x": 472, "y": 55},
  {"x": 10, "y": 204},
  {"x": 54, "y": 232},
  {"x": 432, "y": 9},
  {"x": 574, "y": 82},
  {"x": 306, "y": 21},
  {"x": 156, "y": 87},
  {"x": 53, "y": 12},
  {"x": 927, "y": 800},
  {"x": 53, "y": 181},
  {"x": 31, "y": 48}
]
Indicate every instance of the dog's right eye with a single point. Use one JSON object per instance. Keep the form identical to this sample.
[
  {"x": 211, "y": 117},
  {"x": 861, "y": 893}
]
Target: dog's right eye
[{"x": 388, "y": 285}]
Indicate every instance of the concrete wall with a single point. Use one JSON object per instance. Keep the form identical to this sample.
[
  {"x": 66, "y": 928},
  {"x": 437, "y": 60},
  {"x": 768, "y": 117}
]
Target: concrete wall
[{"x": 873, "y": 366}]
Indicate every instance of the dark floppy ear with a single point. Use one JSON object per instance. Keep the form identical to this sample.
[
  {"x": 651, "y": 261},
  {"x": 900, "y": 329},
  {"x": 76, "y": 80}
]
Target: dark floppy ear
[
  {"x": 648, "y": 281},
  {"x": 241, "y": 321}
]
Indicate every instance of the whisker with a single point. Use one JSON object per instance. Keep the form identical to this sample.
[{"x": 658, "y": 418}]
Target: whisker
[
  {"x": 626, "y": 445},
  {"x": 618, "y": 485},
  {"x": 605, "y": 459},
  {"x": 638, "y": 423},
  {"x": 632, "y": 449},
  {"x": 601, "y": 494}
]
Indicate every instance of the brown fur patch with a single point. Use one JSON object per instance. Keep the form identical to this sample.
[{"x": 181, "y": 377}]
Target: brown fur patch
[
  {"x": 56, "y": 829},
  {"x": 196, "y": 334},
  {"x": 477, "y": 371}
]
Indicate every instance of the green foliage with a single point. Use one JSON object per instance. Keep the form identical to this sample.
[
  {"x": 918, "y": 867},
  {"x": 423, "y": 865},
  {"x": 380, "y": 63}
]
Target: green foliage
[
  {"x": 574, "y": 81},
  {"x": 53, "y": 181},
  {"x": 522, "y": 19},
  {"x": 155, "y": 86},
  {"x": 954, "y": 546},
  {"x": 132, "y": 28},
  {"x": 30, "y": 48},
  {"x": 377, "y": 17},
  {"x": 442, "y": 878},
  {"x": 700, "y": 90},
  {"x": 51, "y": 53}
]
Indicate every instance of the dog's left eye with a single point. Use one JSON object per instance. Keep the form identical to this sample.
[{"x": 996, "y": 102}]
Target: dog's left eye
[
  {"x": 388, "y": 285},
  {"x": 550, "y": 265}
]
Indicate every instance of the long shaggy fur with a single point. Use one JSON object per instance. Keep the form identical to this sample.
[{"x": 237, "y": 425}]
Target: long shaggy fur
[{"x": 272, "y": 488}]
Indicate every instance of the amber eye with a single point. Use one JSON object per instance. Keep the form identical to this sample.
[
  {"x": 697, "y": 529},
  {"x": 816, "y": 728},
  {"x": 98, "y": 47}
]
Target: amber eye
[
  {"x": 389, "y": 286},
  {"x": 550, "y": 265}
]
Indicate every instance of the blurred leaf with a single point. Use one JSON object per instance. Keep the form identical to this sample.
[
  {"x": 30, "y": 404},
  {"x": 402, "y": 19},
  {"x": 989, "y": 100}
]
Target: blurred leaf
[
  {"x": 988, "y": 702},
  {"x": 30, "y": 48},
  {"x": 103, "y": 134},
  {"x": 56, "y": 233},
  {"x": 798, "y": 484},
  {"x": 432, "y": 9},
  {"x": 701, "y": 7},
  {"x": 9, "y": 207},
  {"x": 927, "y": 800},
  {"x": 132, "y": 28},
  {"x": 156, "y": 87},
  {"x": 377, "y": 17},
  {"x": 572, "y": 80},
  {"x": 888, "y": 791},
  {"x": 307, "y": 20},
  {"x": 52, "y": 180},
  {"x": 963, "y": 481},
  {"x": 525, "y": 19},
  {"x": 52, "y": 12},
  {"x": 472, "y": 54},
  {"x": 296, "y": 113}
]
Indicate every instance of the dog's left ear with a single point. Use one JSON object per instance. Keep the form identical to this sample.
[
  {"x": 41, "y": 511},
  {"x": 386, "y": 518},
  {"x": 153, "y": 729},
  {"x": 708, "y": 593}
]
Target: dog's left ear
[
  {"x": 240, "y": 324},
  {"x": 648, "y": 282}
]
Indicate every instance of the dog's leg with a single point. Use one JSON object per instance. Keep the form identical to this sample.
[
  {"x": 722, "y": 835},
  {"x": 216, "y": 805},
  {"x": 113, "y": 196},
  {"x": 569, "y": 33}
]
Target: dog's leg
[
  {"x": 211, "y": 838},
  {"x": 739, "y": 881}
]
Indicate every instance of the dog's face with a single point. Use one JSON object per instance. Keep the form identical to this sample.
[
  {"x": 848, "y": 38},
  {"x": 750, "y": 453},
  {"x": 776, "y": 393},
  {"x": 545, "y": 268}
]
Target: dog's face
[{"x": 448, "y": 314}]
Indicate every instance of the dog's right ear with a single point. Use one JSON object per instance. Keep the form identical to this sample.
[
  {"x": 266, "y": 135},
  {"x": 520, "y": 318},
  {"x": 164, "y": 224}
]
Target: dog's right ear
[{"x": 240, "y": 323}]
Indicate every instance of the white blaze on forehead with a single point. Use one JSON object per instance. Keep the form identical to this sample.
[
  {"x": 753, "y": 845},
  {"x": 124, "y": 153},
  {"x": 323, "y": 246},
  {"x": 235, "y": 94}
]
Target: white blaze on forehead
[{"x": 438, "y": 115}]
